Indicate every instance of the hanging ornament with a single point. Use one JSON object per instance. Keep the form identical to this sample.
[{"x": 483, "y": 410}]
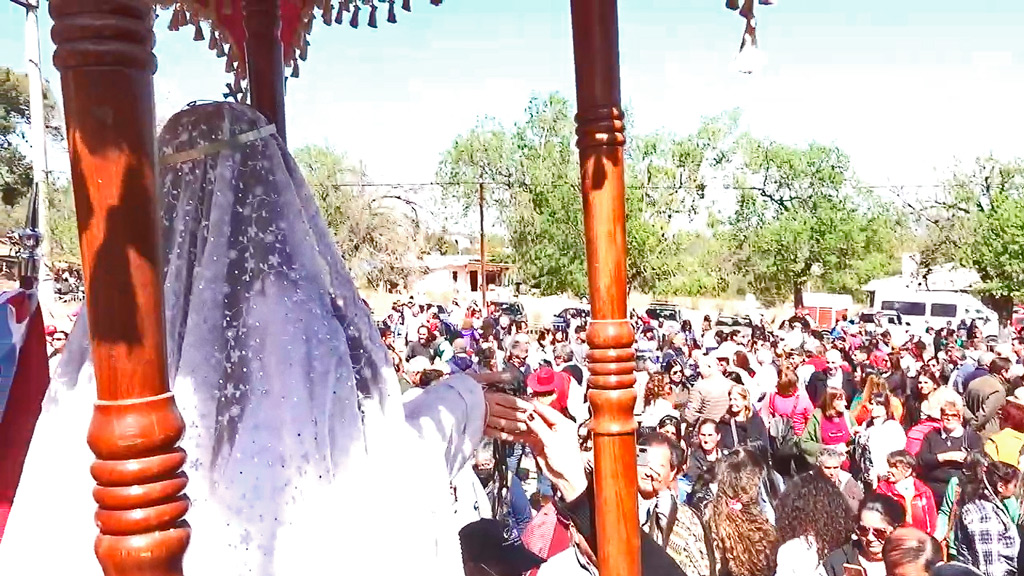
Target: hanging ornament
[
  {"x": 198, "y": 36},
  {"x": 354, "y": 22},
  {"x": 372, "y": 23},
  {"x": 328, "y": 15},
  {"x": 392, "y": 18},
  {"x": 750, "y": 59},
  {"x": 406, "y": 6}
]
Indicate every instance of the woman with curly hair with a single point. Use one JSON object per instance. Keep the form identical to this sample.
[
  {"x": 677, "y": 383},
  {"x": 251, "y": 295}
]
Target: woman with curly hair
[
  {"x": 744, "y": 538},
  {"x": 812, "y": 519},
  {"x": 658, "y": 396}
]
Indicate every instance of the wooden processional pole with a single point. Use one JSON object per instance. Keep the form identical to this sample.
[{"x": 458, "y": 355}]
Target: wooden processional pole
[
  {"x": 264, "y": 55},
  {"x": 104, "y": 52},
  {"x": 601, "y": 138}
]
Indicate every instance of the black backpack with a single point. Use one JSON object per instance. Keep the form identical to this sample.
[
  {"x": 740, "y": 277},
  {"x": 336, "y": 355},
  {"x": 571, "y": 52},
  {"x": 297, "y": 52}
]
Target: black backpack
[{"x": 781, "y": 436}]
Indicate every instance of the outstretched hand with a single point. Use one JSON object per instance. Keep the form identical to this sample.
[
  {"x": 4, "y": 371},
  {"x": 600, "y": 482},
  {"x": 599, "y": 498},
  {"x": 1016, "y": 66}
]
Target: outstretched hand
[
  {"x": 555, "y": 444},
  {"x": 507, "y": 417},
  {"x": 552, "y": 437}
]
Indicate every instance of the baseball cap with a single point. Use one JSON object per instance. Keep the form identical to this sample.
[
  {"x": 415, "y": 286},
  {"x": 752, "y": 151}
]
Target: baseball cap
[{"x": 491, "y": 543}]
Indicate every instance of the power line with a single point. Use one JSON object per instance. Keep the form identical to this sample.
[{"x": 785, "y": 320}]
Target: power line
[{"x": 476, "y": 183}]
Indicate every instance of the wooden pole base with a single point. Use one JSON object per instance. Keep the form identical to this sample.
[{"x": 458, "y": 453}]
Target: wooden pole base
[{"x": 104, "y": 51}]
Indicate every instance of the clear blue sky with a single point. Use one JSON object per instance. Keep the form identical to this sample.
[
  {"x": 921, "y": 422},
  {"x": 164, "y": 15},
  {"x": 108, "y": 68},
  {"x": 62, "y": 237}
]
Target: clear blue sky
[{"x": 905, "y": 86}]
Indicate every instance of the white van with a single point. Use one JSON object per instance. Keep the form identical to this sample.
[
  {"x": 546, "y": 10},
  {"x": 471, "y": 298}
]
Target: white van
[{"x": 936, "y": 309}]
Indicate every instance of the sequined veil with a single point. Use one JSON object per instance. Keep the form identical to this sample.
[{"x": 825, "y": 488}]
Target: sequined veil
[{"x": 300, "y": 452}]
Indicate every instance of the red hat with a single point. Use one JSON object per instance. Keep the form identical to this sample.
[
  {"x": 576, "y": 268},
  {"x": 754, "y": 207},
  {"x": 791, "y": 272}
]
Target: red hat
[
  {"x": 541, "y": 381},
  {"x": 50, "y": 329}
]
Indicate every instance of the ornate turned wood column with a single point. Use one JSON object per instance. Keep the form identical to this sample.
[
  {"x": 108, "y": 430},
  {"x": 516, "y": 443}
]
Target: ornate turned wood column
[
  {"x": 601, "y": 137},
  {"x": 264, "y": 56},
  {"x": 104, "y": 51}
]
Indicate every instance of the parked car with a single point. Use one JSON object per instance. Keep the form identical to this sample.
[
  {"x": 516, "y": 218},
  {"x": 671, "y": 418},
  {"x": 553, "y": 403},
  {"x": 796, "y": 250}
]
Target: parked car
[
  {"x": 514, "y": 310},
  {"x": 442, "y": 310},
  {"x": 729, "y": 323},
  {"x": 561, "y": 320},
  {"x": 664, "y": 312}
]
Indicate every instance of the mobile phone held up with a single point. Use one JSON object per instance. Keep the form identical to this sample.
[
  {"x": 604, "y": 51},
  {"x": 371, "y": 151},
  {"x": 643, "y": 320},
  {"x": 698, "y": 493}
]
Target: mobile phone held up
[
  {"x": 641, "y": 457},
  {"x": 853, "y": 570}
]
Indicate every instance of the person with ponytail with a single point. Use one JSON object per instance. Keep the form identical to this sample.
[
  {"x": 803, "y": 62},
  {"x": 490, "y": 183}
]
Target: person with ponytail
[
  {"x": 986, "y": 534},
  {"x": 950, "y": 507},
  {"x": 744, "y": 537}
]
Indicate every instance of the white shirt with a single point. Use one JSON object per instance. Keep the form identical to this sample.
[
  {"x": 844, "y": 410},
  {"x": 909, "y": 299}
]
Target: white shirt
[
  {"x": 798, "y": 557},
  {"x": 656, "y": 411},
  {"x": 469, "y": 498},
  {"x": 884, "y": 439},
  {"x": 803, "y": 374}
]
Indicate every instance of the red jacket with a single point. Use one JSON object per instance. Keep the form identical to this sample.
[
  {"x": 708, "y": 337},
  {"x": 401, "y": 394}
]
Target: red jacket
[{"x": 921, "y": 513}]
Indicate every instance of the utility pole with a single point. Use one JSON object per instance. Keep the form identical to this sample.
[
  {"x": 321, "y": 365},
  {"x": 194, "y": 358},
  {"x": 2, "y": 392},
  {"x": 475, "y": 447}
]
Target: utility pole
[
  {"x": 483, "y": 255},
  {"x": 37, "y": 137}
]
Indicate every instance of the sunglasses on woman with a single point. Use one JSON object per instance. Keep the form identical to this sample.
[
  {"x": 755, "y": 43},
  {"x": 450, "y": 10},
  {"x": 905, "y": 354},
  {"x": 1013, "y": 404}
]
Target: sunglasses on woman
[{"x": 879, "y": 534}]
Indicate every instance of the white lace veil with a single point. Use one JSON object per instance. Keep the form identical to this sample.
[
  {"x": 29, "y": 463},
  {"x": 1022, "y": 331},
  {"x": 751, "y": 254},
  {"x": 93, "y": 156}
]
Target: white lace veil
[{"x": 297, "y": 441}]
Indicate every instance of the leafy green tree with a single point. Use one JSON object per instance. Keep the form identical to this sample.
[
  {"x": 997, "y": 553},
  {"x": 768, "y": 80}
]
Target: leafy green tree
[
  {"x": 63, "y": 225},
  {"x": 15, "y": 167},
  {"x": 982, "y": 227},
  {"x": 531, "y": 173},
  {"x": 378, "y": 238},
  {"x": 666, "y": 184},
  {"x": 801, "y": 221}
]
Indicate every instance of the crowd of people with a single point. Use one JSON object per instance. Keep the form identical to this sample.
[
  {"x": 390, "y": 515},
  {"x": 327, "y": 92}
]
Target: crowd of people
[
  {"x": 848, "y": 450},
  {"x": 852, "y": 450}
]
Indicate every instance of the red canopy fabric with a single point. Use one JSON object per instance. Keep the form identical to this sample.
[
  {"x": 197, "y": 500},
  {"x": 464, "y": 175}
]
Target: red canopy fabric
[{"x": 227, "y": 32}]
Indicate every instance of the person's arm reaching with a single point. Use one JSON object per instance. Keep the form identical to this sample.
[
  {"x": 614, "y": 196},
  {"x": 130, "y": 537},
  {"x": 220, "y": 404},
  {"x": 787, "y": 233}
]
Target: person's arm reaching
[{"x": 558, "y": 454}]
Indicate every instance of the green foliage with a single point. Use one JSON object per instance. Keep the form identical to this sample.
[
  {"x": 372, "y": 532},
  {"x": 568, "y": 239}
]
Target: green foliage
[
  {"x": 63, "y": 225},
  {"x": 378, "y": 240},
  {"x": 15, "y": 167},
  {"x": 532, "y": 184},
  {"x": 804, "y": 223},
  {"x": 987, "y": 209}
]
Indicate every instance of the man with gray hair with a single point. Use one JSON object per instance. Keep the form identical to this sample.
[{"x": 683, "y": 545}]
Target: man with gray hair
[
  {"x": 830, "y": 462},
  {"x": 565, "y": 361},
  {"x": 517, "y": 354},
  {"x": 577, "y": 401}
]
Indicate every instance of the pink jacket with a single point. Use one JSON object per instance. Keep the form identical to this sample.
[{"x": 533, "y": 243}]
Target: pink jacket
[{"x": 798, "y": 407}]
